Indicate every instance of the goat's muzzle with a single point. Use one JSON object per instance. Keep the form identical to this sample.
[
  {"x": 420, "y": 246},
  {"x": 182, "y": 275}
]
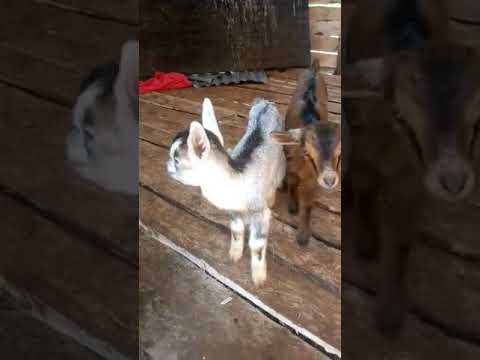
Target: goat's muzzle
[
  {"x": 450, "y": 178},
  {"x": 328, "y": 178}
]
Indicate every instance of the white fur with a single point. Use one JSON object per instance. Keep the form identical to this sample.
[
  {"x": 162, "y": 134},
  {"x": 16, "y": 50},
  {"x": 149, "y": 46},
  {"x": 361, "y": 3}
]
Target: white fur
[
  {"x": 249, "y": 193},
  {"x": 112, "y": 161}
]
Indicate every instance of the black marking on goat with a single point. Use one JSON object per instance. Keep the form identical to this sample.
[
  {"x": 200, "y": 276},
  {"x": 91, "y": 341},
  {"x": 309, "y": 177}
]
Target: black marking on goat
[
  {"x": 254, "y": 140},
  {"x": 105, "y": 75},
  {"x": 326, "y": 137},
  {"x": 239, "y": 163},
  {"x": 406, "y": 26},
  {"x": 309, "y": 113}
]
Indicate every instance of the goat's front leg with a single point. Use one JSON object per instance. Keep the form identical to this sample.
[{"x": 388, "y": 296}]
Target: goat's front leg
[
  {"x": 292, "y": 190},
  {"x": 259, "y": 227},
  {"x": 395, "y": 234},
  {"x": 237, "y": 228},
  {"x": 305, "y": 202}
]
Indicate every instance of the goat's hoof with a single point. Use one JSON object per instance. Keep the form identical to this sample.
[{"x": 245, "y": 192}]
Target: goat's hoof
[
  {"x": 303, "y": 238},
  {"x": 390, "y": 321},
  {"x": 236, "y": 253},
  {"x": 259, "y": 272},
  {"x": 259, "y": 277}
]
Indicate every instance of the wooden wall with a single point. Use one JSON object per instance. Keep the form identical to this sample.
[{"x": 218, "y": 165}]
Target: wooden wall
[
  {"x": 325, "y": 28},
  {"x": 465, "y": 21},
  {"x": 218, "y": 35}
]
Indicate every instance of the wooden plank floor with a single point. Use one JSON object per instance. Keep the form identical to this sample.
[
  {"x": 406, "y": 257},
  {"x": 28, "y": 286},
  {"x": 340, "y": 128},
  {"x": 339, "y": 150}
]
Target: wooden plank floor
[
  {"x": 304, "y": 285},
  {"x": 185, "y": 314},
  {"x": 82, "y": 263}
]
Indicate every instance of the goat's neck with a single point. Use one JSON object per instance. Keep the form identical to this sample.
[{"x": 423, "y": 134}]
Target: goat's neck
[{"x": 221, "y": 184}]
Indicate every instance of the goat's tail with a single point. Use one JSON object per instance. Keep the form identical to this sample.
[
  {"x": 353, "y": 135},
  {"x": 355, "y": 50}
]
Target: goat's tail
[
  {"x": 265, "y": 116},
  {"x": 309, "y": 113}
]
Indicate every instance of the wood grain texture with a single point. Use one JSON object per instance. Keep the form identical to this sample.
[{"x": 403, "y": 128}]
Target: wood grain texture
[
  {"x": 85, "y": 284},
  {"x": 173, "y": 292},
  {"x": 287, "y": 291},
  {"x": 210, "y": 36}
]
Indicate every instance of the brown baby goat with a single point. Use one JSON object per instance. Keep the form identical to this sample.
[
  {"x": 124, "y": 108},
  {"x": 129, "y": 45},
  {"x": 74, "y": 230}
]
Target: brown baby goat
[
  {"x": 421, "y": 143},
  {"x": 316, "y": 157}
]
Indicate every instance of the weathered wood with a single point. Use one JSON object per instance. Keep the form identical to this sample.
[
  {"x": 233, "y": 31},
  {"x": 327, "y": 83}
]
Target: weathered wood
[
  {"x": 325, "y": 27},
  {"x": 51, "y": 61},
  {"x": 26, "y": 338},
  {"x": 121, "y": 11},
  {"x": 92, "y": 288},
  {"x": 318, "y": 260},
  {"x": 37, "y": 171},
  {"x": 324, "y": 43},
  {"x": 258, "y": 34},
  {"x": 325, "y": 13},
  {"x": 418, "y": 341},
  {"x": 237, "y": 99},
  {"x": 174, "y": 292},
  {"x": 432, "y": 273},
  {"x": 159, "y": 125},
  {"x": 465, "y": 33},
  {"x": 288, "y": 291},
  {"x": 325, "y": 59},
  {"x": 465, "y": 10}
]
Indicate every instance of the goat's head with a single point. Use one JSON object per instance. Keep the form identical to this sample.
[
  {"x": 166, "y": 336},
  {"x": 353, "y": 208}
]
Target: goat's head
[
  {"x": 102, "y": 145},
  {"x": 191, "y": 149},
  {"x": 321, "y": 145},
  {"x": 434, "y": 96}
]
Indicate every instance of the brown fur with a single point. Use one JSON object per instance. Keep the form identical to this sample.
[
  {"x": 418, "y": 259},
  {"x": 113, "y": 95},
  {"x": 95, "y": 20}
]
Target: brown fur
[
  {"x": 422, "y": 132},
  {"x": 305, "y": 163}
]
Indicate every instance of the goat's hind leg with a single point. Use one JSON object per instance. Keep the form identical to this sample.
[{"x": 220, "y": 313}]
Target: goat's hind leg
[
  {"x": 237, "y": 228},
  {"x": 259, "y": 227}
]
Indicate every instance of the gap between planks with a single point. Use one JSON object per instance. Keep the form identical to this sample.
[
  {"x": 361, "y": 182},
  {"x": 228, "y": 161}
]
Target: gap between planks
[
  {"x": 303, "y": 333},
  {"x": 58, "y": 322}
]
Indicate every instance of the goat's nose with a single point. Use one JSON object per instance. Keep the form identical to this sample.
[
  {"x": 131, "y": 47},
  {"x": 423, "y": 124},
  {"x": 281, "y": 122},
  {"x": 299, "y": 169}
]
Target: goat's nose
[
  {"x": 329, "y": 181},
  {"x": 453, "y": 183}
]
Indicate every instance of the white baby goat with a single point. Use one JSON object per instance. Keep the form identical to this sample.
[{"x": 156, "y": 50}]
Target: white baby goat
[{"x": 243, "y": 181}]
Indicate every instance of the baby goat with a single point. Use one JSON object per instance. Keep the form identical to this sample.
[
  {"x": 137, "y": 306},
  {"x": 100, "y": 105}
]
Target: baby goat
[
  {"x": 316, "y": 158},
  {"x": 243, "y": 182},
  {"x": 103, "y": 144}
]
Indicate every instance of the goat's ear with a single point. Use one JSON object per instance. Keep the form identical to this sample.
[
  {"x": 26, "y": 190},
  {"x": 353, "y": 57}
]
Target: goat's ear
[
  {"x": 127, "y": 81},
  {"x": 209, "y": 120},
  {"x": 290, "y": 137},
  {"x": 198, "y": 143}
]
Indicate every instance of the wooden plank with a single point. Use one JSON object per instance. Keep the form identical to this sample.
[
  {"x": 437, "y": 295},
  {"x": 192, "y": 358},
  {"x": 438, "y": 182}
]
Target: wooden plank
[
  {"x": 51, "y": 61},
  {"x": 90, "y": 287},
  {"x": 418, "y": 341},
  {"x": 26, "y": 338},
  {"x": 237, "y": 99},
  {"x": 324, "y": 13},
  {"x": 293, "y": 73},
  {"x": 465, "y": 10},
  {"x": 167, "y": 124},
  {"x": 122, "y": 11},
  {"x": 465, "y": 33},
  {"x": 38, "y": 172},
  {"x": 324, "y": 43},
  {"x": 249, "y": 35},
  {"x": 205, "y": 326},
  {"x": 287, "y": 291},
  {"x": 325, "y": 27},
  {"x": 325, "y": 59},
  {"x": 428, "y": 263},
  {"x": 319, "y": 260}
]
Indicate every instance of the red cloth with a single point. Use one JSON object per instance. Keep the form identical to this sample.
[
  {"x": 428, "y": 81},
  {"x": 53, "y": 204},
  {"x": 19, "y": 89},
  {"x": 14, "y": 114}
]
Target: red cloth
[{"x": 164, "y": 81}]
